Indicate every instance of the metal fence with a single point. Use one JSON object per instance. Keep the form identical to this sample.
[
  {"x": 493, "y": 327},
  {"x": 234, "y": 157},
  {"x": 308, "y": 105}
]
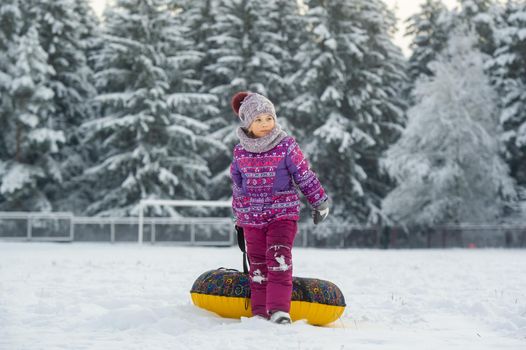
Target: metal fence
[
  {"x": 64, "y": 227},
  {"x": 446, "y": 236},
  {"x": 218, "y": 231}
]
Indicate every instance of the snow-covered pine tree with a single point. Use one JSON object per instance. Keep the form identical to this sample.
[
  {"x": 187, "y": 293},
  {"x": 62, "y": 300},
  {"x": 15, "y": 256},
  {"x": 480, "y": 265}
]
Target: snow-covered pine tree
[
  {"x": 148, "y": 144},
  {"x": 11, "y": 24},
  {"x": 429, "y": 28},
  {"x": 482, "y": 16},
  {"x": 281, "y": 31},
  {"x": 230, "y": 48},
  {"x": 321, "y": 82},
  {"x": 291, "y": 26},
  {"x": 79, "y": 156},
  {"x": 199, "y": 18},
  {"x": 350, "y": 74},
  {"x": 246, "y": 47},
  {"x": 508, "y": 68},
  {"x": 318, "y": 68},
  {"x": 192, "y": 103},
  {"x": 447, "y": 161},
  {"x": 91, "y": 30},
  {"x": 383, "y": 104},
  {"x": 31, "y": 140},
  {"x": 62, "y": 34}
]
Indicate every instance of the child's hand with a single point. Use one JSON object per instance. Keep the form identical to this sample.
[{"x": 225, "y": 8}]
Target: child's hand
[{"x": 320, "y": 213}]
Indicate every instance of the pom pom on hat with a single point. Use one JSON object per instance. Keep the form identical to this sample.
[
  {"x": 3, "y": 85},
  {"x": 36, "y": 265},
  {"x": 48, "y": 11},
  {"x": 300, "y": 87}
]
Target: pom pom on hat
[{"x": 237, "y": 99}]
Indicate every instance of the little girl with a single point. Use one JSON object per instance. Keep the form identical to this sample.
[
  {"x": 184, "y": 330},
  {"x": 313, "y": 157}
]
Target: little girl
[{"x": 266, "y": 168}]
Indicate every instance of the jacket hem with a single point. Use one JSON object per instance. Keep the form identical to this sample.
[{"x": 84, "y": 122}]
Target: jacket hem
[{"x": 263, "y": 224}]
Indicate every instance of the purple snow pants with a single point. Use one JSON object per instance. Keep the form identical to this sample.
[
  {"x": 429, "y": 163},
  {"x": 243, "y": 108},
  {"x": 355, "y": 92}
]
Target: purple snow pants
[{"x": 269, "y": 253}]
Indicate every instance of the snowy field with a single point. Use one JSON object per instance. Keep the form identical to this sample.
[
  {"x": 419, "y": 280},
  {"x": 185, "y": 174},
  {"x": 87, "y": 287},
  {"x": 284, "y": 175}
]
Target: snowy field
[{"x": 124, "y": 296}]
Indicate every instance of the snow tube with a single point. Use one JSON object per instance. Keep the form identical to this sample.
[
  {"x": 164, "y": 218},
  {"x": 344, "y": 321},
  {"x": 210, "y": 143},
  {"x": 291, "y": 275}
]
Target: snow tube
[{"x": 227, "y": 293}]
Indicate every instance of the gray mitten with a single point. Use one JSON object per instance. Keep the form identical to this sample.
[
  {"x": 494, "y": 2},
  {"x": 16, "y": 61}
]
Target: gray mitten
[{"x": 320, "y": 213}]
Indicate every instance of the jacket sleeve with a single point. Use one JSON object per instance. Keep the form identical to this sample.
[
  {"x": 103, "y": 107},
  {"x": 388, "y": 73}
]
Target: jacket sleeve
[
  {"x": 304, "y": 177},
  {"x": 236, "y": 178}
]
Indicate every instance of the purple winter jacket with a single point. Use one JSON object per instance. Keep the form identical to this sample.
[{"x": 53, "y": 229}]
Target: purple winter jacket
[{"x": 263, "y": 184}]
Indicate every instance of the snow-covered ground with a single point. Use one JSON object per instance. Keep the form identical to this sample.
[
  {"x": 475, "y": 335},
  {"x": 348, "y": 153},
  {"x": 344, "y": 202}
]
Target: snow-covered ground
[{"x": 125, "y": 296}]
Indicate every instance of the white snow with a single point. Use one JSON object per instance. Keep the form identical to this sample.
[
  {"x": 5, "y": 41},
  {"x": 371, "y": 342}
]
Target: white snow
[
  {"x": 125, "y": 296},
  {"x": 46, "y": 135},
  {"x": 18, "y": 176}
]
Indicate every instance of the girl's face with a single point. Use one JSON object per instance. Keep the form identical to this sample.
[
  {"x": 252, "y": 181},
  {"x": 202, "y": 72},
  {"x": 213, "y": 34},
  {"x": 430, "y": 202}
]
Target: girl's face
[{"x": 262, "y": 125}]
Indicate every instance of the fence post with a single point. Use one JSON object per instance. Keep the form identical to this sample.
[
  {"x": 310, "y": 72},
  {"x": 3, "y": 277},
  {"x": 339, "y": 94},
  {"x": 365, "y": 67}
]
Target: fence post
[
  {"x": 231, "y": 234},
  {"x": 152, "y": 233},
  {"x": 29, "y": 228},
  {"x": 192, "y": 233},
  {"x": 112, "y": 231},
  {"x": 141, "y": 221},
  {"x": 71, "y": 229}
]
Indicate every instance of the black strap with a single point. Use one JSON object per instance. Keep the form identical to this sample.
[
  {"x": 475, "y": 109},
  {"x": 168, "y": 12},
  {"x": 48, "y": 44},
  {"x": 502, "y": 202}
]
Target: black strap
[{"x": 241, "y": 244}]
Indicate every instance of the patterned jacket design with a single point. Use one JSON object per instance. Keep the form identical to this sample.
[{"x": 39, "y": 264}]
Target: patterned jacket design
[{"x": 265, "y": 185}]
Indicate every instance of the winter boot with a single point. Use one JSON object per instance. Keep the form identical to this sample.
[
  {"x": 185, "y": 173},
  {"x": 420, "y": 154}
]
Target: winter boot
[{"x": 280, "y": 317}]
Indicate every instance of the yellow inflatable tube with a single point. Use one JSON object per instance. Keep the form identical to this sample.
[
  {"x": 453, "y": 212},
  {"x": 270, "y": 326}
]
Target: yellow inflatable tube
[{"x": 227, "y": 293}]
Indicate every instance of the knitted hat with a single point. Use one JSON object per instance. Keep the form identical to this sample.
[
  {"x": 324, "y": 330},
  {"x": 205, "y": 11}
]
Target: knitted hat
[{"x": 248, "y": 105}]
